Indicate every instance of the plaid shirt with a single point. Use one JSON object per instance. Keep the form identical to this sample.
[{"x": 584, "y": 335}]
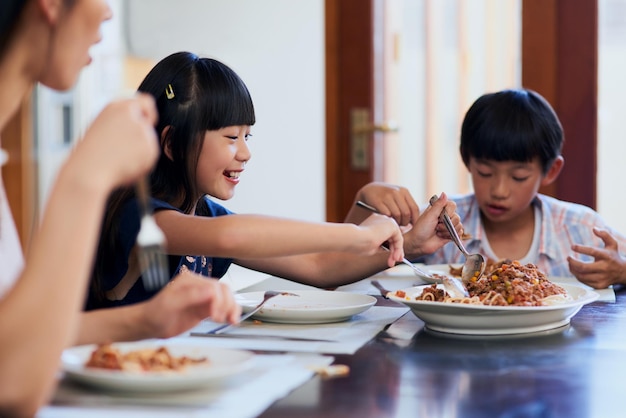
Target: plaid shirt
[{"x": 563, "y": 224}]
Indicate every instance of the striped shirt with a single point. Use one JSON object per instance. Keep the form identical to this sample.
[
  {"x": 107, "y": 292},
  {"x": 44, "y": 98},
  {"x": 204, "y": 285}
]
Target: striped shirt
[{"x": 562, "y": 225}]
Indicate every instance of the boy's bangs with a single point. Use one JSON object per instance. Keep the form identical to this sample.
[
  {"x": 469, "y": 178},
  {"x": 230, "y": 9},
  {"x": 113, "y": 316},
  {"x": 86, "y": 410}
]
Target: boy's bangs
[{"x": 508, "y": 145}]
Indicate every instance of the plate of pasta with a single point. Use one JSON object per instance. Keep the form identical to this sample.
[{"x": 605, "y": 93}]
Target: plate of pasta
[
  {"x": 513, "y": 299},
  {"x": 153, "y": 366}
]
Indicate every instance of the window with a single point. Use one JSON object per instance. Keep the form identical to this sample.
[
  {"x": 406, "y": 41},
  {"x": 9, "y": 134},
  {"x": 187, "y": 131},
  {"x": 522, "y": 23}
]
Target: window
[
  {"x": 611, "y": 93},
  {"x": 445, "y": 55}
]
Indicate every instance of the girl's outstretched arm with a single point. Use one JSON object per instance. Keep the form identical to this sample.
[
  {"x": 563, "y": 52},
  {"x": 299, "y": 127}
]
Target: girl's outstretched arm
[
  {"x": 257, "y": 236},
  {"x": 332, "y": 269}
]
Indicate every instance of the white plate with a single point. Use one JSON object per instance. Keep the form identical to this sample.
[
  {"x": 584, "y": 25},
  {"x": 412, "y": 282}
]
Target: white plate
[
  {"x": 272, "y": 282},
  {"x": 495, "y": 320},
  {"x": 223, "y": 364},
  {"x": 309, "y": 307}
]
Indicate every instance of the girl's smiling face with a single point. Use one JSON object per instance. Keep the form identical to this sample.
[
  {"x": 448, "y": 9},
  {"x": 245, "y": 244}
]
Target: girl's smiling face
[{"x": 222, "y": 160}]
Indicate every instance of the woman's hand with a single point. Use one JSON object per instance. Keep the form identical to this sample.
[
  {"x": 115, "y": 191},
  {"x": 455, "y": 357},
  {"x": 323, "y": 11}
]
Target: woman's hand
[
  {"x": 121, "y": 144},
  {"x": 185, "y": 301}
]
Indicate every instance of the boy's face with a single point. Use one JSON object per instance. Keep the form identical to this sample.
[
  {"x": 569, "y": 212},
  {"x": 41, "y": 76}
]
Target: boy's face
[{"x": 505, "y": 189}]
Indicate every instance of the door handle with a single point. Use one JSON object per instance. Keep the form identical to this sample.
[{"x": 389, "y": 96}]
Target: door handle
[{"x": 360, "y": 130}]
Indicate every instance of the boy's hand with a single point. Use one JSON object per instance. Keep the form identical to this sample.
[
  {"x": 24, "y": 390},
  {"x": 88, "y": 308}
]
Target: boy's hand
[
  {"x": 390, "y": 200},
  {"x": 429, "y": 233},
  {"x": 608, "y": 266}
]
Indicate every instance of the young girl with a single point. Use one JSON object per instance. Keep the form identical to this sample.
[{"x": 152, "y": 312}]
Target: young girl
[
  {"x": 205, "y": 115},
  {"x": 41, "y": 295}
]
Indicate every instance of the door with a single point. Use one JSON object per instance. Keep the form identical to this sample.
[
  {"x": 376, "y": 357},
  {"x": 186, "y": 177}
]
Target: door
[
  {"x": 483, "y": 44},
  {"x": 350, "y": 49}
]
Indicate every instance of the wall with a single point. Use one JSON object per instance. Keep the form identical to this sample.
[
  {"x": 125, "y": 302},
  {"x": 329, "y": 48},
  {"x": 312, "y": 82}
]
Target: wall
[{"x": 277, "y": 47}]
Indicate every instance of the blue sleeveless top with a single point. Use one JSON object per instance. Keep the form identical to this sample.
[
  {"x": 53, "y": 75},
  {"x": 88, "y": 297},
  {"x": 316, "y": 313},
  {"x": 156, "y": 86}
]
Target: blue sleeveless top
[{"x": 129, "y": 224}]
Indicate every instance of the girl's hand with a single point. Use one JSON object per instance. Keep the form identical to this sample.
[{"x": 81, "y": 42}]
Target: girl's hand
[
  {"x": 185, "y": 301},
  {"x": 121, "y": 144},
  {"x": 385, "y": 230},
  {"x": 608, "y": 266}
]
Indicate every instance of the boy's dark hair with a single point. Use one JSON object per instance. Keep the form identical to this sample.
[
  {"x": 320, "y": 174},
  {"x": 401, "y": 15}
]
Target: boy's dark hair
[{"x": 511, "y": 125}]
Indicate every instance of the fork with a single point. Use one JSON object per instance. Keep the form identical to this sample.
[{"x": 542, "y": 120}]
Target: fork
[
  {"x": 151, "y": 244},
  {"x": 452, "y": 285},
  {"x": 266, "y": 296},
  {"x": 382, "y": 289}
]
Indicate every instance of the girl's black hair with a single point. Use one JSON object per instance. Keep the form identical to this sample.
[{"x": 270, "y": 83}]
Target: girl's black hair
[
  {"x": 511, "y": 125},
  {"x": 207, "y": 95},
  {"x": 192, "y": 95}
]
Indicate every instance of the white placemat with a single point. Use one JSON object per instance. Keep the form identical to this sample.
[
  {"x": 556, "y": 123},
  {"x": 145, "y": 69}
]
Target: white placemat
[
  {"x": 346, "y": 337},
  {"x": 272, "y": 378}
]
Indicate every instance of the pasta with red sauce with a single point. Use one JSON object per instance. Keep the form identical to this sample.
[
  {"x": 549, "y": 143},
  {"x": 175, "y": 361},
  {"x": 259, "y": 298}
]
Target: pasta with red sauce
[{"x": 509, "y": 283}]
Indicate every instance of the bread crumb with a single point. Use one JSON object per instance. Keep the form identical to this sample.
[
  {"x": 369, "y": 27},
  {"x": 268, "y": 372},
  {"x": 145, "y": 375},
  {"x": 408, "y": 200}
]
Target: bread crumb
[{"x": 332, "y": 371}]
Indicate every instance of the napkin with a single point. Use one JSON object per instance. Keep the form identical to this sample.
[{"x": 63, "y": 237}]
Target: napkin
[
  {"x": 346, "y": 337},
  {"x": 272, "y": 378}
]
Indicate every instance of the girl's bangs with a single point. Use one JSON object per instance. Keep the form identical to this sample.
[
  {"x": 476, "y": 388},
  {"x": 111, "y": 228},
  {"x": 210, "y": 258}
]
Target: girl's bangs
[{"x": 226, "y": 103}]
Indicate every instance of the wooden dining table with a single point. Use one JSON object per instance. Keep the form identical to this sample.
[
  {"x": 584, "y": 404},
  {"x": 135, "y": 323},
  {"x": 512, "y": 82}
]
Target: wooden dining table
[{"x": 576, "y": 371}]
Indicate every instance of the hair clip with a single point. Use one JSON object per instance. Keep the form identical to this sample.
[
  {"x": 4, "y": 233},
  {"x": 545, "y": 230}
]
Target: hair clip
[{"x": 169, "y": 92}]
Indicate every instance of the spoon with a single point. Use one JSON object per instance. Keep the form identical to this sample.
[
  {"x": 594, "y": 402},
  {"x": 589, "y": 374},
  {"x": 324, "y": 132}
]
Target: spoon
[
  {"x": 452, "y": 285},
  {"x": 474, "y": 265}
]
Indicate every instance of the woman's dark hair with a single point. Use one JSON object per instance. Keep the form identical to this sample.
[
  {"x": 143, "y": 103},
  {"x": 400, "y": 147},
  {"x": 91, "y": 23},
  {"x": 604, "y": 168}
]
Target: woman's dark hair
[
  {"x": 192, "y": 95},
  {"x": 10, "y": 11},
  {"x": 511, "y": 125}
]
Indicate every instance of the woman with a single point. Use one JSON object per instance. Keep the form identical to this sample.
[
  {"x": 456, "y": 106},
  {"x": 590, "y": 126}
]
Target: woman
[{"x": 48, "y": 41}]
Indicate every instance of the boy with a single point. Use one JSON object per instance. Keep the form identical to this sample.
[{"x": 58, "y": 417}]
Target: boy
[{"x": 511, "y": 145}]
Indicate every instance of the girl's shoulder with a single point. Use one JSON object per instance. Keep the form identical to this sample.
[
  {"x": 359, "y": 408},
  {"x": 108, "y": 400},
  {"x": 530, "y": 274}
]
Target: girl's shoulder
[
  {"x": 209, "y": 207},
  {"x": 158, "y": 204}
]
